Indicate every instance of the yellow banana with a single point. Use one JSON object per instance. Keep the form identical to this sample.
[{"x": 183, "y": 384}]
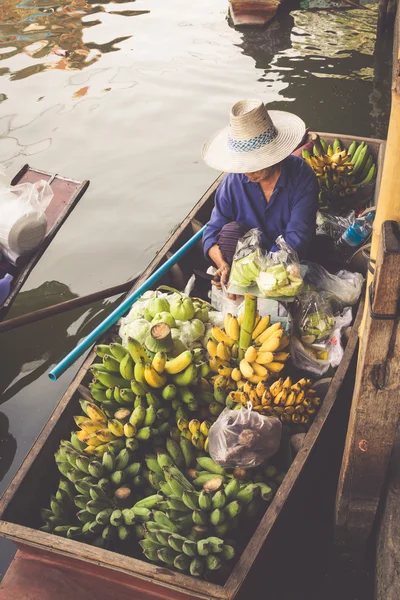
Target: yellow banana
[
  {"x": 246, "y": 369},
  {"x": 289, "y": 410},
  {"x": 82, "y": 435},
  {"x": 205, "y": 428},
  {"x": 290, "y": 400},
  {"x": 275, "y": 367},
  {"x": 240, "y": 318},
  {"x": 91, "y": 450},
  {"x": 268, "y": 410},
  {"x": 240, "y": 384},
  {"x": 179, "y": 363},
  {"x": 259, "y": 370},
  {"x": 247, "y": 387},
  {"x": 276, "y": 387},
  {"x": 159, "y": 361},
  {"x": 194, "y": 426},
  {"x": 221, "y": 336},
  {"x": 116, "y": 427},
  {"x": 153, "y": 379},
  {"x": 182, "y": 424},
  {"x": 104, "y": 435},
  {"x": 284, "y": 343},
  {"x": 265, "y": 335},
  {"x": 258, "y": 408},
  {"x": 217, "y": 362},
  {"x": 233, "y": 329},
  {"x": 235, "y": 351},
  {"x": 302, "y": 382},
  {"x": 263, "y": 358},
  {"x": 79, "y": 420},
  {"x": 223, "y": 351},
  {"x": 251, "y": 354},
  {"x": 212, "y": 348},
  {"x": 235, "y": 396},
  {"x": 280, "y": 398},
  {"x": 281, "y": 356},
  {"x": 260, "y": 388},
  {"x": 227, "y": 319},
  {"x": 89, "y": 426},
  {"x": 254, "y": 398},
  {"x": 279, "y": 410},
  {"x": 287, "y": 383},
  {"x": 236, "y": 374},
  {"x": 96, "y": 414},
  {"x": 272, "y": 344},
  {"x": 260, "y": 327},
  {"x": 316, "y": 401},
  {"x": 93, "y": 440},
  {"x": 267, "y": 398},
  {"x": 257, "y": 378},
  {"x": 225, "y": 371}
]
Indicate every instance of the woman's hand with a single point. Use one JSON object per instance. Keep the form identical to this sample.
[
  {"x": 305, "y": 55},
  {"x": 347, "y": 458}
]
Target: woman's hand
[{"x": 221, "y": 276}]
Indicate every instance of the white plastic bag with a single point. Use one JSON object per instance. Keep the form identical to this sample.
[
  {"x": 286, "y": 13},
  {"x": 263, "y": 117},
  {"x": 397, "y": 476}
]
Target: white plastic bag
[
  {"x": 306, "y": 357},
  {"x": 243, "y": 438},
  {"x": 23, "y": 223},
  {"x": 345, "y": 285}
]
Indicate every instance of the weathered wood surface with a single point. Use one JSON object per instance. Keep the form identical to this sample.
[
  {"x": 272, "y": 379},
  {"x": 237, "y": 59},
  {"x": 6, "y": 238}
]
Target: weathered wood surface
[
  {"x": 67, "y": 194},
  {"x": 375, "y": 411},
  {"x": 387, "y": 574}
]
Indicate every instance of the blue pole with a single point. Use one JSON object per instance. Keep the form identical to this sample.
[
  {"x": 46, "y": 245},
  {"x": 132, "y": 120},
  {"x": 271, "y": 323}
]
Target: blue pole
[{"x": 119, "y": 312}]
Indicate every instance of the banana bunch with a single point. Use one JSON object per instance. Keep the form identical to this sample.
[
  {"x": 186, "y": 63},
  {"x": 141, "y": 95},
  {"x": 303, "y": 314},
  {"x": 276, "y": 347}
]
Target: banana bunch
[
  {"x": 294, "y": 403},
  {"x": 261, "y": 360},
  {"x": 341, "y": 171}
]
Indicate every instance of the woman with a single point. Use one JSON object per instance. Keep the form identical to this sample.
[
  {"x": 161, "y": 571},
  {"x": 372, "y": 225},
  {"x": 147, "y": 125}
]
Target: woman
[{"x": 267, "y": 187}]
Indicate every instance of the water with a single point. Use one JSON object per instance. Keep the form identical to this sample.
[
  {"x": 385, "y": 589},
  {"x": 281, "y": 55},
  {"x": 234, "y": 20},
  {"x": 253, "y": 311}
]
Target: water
[{"x": 143, "y": 84}]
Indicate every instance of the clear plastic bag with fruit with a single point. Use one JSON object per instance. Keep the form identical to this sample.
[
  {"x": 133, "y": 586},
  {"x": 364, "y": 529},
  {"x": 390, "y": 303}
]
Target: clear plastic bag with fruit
[
  {"x": 313, "y": 318},
  {"x": 280, "y": 274},
  {"x": 246, "y": 261},
  {"x": 243, "y": 438}
]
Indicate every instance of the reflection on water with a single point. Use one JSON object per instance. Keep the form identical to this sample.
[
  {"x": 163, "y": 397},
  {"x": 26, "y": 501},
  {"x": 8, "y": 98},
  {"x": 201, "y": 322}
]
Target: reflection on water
[{"x": 52, "y": 31}]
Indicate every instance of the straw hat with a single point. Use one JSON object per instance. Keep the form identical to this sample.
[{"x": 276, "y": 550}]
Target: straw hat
[{"x": 255, "y": 138}]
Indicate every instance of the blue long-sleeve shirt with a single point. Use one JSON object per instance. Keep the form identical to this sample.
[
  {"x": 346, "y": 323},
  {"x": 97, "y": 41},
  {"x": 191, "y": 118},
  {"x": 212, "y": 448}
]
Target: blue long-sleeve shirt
[{"x": 290, "y": 212}]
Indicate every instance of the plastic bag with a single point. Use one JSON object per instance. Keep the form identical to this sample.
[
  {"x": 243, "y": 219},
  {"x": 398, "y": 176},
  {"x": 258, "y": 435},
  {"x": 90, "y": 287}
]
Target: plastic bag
[
  {"x": 313, "y": 318},
  {"x": 333, "y": 226},
  {"x": 315, "y": 358},
  {"x": 345, "y": 285},
  {"x": 245, "y": 264},
  {"x": 23, "y": 223},
  {"x": 243, "y": 438},
  {"x": 280, "y": 274},
  {"x": 219, "y": 298}
]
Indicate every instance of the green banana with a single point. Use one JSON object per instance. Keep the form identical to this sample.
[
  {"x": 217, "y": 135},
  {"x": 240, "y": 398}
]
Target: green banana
[
  {"x": 232, "y": 489},
  {"x": 110, "y": 380},
  {"x": 186, "y": 377},
  {"x": 175, "y": 453},
  {"x": 103, "y": 517},
  {"x": 118, "y": 351},
  {"x": 176, "y": 503},
  {"x": 189, "y": 548},
  {"x": 127, "y": 397},
  {"x": 266, "y": 491},
  {"x": 122, "y": 460},
  {"x": 169, "y": 392},
  {"x": 144, "y": 433},
  {"x": 138, "y": 416},
  {"x": 176, "y": 542},
  {"x": 111, "y": 364},
  {"x": 96, "y": 469},
  {"x": 123, "y": 532},
  {"x": 162, "y": 537},
  {"x": 150, "y": 416},
  {"x": 232, "y": 509},
  {"x": 137, "y": 351},
  {"x": 213, "y": 563},
  {"x": 182, "y": 562},
  {"x": 219, "y": 499},
  {"x": 200, "y": 517},
  {"x": 137, "y": 388},
  {"x": 116, "y": 518},
  {"x": 164, "y": 522},
  {"x": 166, "y": 555},
  {"x": 217, "y": 517},
  {"x": 203, "y": 547},
  {"x": 247, "y": 494},
  {"x": 102, "y": 349},
  {"x": 187, "y": 451},
  {"x": 129, "y": 516},
  {"x": 196, "y": 567},
  {"x": 127, "y": 368},
  {"x": 118, "y": 478},
  {"x": 149, "y": 502},
  {"x": 95, "y": 506},
  {"x": 190, "y": 499},
  {"x": 205, "y": 500}
]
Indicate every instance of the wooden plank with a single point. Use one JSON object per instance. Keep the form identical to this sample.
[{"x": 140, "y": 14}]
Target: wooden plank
[
  {"x": 387, "y": 573},
  {"x": 253, "y": 547},
  {"x": 67, "y": 193},
  {"x": 375, "y": 411}
]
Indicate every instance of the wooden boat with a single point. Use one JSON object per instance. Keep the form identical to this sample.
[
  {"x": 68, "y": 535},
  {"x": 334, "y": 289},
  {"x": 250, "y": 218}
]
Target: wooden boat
[
  {"x": 67, "y": 193},
  {"x": 252, "y": 13},
  {"x": 74, "y": 564}
]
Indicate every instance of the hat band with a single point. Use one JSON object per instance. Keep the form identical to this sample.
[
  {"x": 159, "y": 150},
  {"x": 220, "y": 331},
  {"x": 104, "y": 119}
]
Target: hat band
[{"x": 255, "y": 143}]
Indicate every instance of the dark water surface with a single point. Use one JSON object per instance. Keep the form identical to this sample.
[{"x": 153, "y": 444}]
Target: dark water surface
[{"x": 124, "y": 93}]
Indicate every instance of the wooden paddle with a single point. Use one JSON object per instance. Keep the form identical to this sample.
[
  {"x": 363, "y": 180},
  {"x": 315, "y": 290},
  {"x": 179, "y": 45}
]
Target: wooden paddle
[{"x": 62, "y": 307}]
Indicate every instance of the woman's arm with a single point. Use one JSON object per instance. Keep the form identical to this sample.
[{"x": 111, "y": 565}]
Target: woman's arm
[{"x": 221, "y": 276}]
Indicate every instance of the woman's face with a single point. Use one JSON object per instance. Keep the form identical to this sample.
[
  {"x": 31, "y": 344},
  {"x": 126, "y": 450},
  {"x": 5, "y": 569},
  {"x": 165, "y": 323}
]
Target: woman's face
[{"x": 258, "y": 176}]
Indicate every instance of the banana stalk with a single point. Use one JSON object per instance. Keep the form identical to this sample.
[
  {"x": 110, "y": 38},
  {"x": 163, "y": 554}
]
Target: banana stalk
[{"x": 247, "y": 327}]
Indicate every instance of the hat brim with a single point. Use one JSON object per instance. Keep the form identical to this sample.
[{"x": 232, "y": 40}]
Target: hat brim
[{"x": 291, "y": 130}]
